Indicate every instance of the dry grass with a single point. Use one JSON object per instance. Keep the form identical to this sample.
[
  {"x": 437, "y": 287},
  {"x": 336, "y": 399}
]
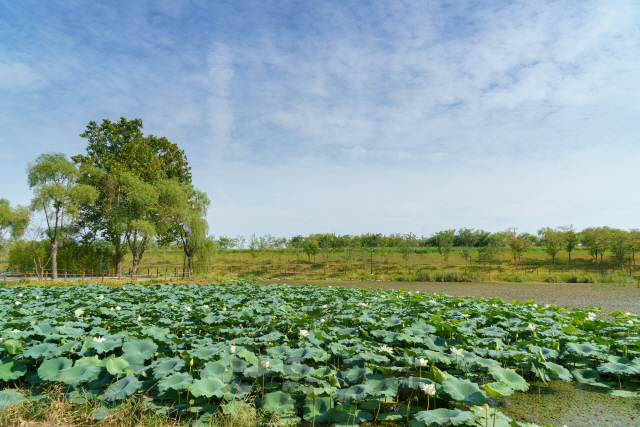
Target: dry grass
[{"x": 51, "y": 408}]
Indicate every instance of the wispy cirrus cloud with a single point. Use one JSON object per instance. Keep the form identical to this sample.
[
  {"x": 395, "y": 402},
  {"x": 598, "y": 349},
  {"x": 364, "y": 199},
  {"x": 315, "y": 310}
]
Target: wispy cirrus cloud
[{"x": 399, "y": 113}]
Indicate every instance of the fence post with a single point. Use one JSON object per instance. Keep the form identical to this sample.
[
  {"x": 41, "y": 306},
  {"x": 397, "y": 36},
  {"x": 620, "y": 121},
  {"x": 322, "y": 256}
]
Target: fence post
[
  {"x": 65, "y": 276},
  {"x": 83, "y": 275},
  {"x": 103, "y": 276},
  {"x": 46, "y": 275}
]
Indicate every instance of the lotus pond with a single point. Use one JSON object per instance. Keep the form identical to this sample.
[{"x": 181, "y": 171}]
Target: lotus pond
[{"x": 304, "y": 354}]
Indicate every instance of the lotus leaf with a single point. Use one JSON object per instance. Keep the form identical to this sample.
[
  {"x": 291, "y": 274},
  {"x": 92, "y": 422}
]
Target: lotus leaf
[
  {"x": 166, "y": 366},
  {"x": 178, "y": 381},
  {"x": 278, "y": 402},
  {"x": 80, "y": 373},
  {"x": 121, "y": 389},
  {"x": 509, "y": 377},
  {"x": 117, "y": 366},
  {"x": 10, "y": 397},
  {"x": 51, "y": 369},
  {"x": 208, "y": 387},
  {"x": 443, "y": 416},
  {"x": 464, "y": 391},
  {"x": 144, "y": 349}
]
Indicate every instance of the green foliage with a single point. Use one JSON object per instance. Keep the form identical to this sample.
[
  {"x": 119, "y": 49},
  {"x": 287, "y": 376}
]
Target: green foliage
[{"x": 13, "y": 221}]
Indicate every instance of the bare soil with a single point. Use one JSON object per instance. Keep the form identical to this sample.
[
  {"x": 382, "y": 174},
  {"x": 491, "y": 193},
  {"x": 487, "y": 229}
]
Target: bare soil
[{"x": 580, "y": 295}]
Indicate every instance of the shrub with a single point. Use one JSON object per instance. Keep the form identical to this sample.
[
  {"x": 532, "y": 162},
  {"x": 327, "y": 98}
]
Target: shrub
[
  {"x": 552, "y": 279},
  {"x": 514, "y": 278}
]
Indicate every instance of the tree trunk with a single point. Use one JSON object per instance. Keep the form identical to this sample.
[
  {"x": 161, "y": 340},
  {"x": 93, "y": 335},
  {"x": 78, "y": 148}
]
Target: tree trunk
[
  {"x": 119, "y": 257},
  {"x": 136, "y": 264},
  {"x": 54, "y": 258}
]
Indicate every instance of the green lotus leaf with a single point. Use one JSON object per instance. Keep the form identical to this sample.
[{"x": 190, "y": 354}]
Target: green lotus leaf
[
  {"x": 318, "y": 409},
  {"x": 438, "y": 375},
  {"x": 206, "y": 353},
  {"x": 217, "y": 369},
  {"x": 623, "y": 393},
  {"x": 414, "y": 383},
  {"x": 498, "y": 389},
  {"x": 443, "y": 416},
  {"x": 356, "y": 392},
  {"x": 237, "y": 390},
  {"x": 278, "y": 403},
  {"x": 586, "y": 376},
  {"x": 208, "y": 387},
  {"x": 166, "y": 366},
  {"x": 387, "y": 386},
  {"x": 117, "y": 366},
  {"x": 509, "y": 377},
  {"x": 105, "y": 346},
  {"x": 144, "y": 349},
  {"x": 91, "y": 360},
  {"x": 464, "y": 391},
  {"x": 586, "y": 349},
  {"x": 80, "y": 373},
  {"x": 618, "y": 368},
  {"x": 11, "y": 397},
  {"x": 136, "y": 363},
  {"x": 100, "y": 413},
  {"x": 13, "y": 346},
  {"x": 51, "y": 369},
  {"x": 39, "y": 350},
  {"x": 121, "y": 389},
  {"x": 179, "y": 381},
  {"x": 302, "y": 353},
  {"x": 559, "y": 371}
]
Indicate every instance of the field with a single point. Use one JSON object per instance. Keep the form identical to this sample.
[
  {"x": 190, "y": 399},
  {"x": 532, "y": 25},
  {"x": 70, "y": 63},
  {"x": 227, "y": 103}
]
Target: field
[
  {"x": 425, "y": 264},
  {"x": 303, "y": 355}
]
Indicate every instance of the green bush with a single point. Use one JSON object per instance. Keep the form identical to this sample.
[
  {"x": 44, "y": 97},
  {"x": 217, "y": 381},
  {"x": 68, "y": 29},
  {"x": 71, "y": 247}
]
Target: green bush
[
  {"x": 552, "y": 279},
  {"x": 514, "y": 278}
]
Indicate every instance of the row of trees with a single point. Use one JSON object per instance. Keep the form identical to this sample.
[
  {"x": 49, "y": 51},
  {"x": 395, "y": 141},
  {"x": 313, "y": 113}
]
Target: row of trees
[
  {"x": 474, "y": 245},
  {"x": 126, "y": 189}
]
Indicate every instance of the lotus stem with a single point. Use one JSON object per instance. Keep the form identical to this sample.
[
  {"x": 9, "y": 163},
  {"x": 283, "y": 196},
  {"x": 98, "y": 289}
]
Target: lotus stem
[{"x": 314, "y": 412}]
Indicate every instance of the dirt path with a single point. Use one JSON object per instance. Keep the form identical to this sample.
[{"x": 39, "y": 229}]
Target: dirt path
[{"x": 611, "y": 298}]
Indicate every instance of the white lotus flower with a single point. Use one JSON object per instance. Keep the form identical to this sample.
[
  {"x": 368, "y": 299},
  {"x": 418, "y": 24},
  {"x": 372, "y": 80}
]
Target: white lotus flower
[
  {"x": 232, "y": 349},
  {"x": 264, "y": 363},
  {"x": 465, "y": 315},
  {"x": 188, "y": 309},
  {"x": 18, "y": 303},
  {"x": 494, "y": 305},
  {"x": 16, "y": 330},
  {"x": 459, "y": 304},
  {"x": 37, "y": 297},
  {"x": 101, "y": 297},
  {"x": 420, "y": 362},
  {"x": 386, "y": 349},
  {"x": 224, "y": 308},
  {"x": 139, "y": 318},
  {"x": 456, "y": 351},
  {"x": 535, "y": 305},
  {"x": 303, "y": 333},
  {"x": 591, "y": 316},
  {"x": 324, "y": 306},
  {"x": 322, "y": 320},
  {"x": 99, "y": 339},
  {"x": 118, "y": 308},
  {"x": 630, "y": 322},
  {"x": 19, "y": 295},
  {"x": 429, "y": 389},
  {"x": 111, "y": 309},
  {"x": 532, "y": 327},
  {"x": 205, "y": 306}
]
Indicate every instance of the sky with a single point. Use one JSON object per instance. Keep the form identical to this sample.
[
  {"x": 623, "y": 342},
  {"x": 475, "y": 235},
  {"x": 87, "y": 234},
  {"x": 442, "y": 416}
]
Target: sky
[{"x": 303, "y": 117}]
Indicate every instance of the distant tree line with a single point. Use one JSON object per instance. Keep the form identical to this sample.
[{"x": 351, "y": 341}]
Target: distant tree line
[
  {"x": 473, "y": 245},
  {"x": 125, "y": 191}
]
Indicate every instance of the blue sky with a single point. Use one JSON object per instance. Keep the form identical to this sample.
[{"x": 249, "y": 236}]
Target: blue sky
[{"x": 301, "y": 117}]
